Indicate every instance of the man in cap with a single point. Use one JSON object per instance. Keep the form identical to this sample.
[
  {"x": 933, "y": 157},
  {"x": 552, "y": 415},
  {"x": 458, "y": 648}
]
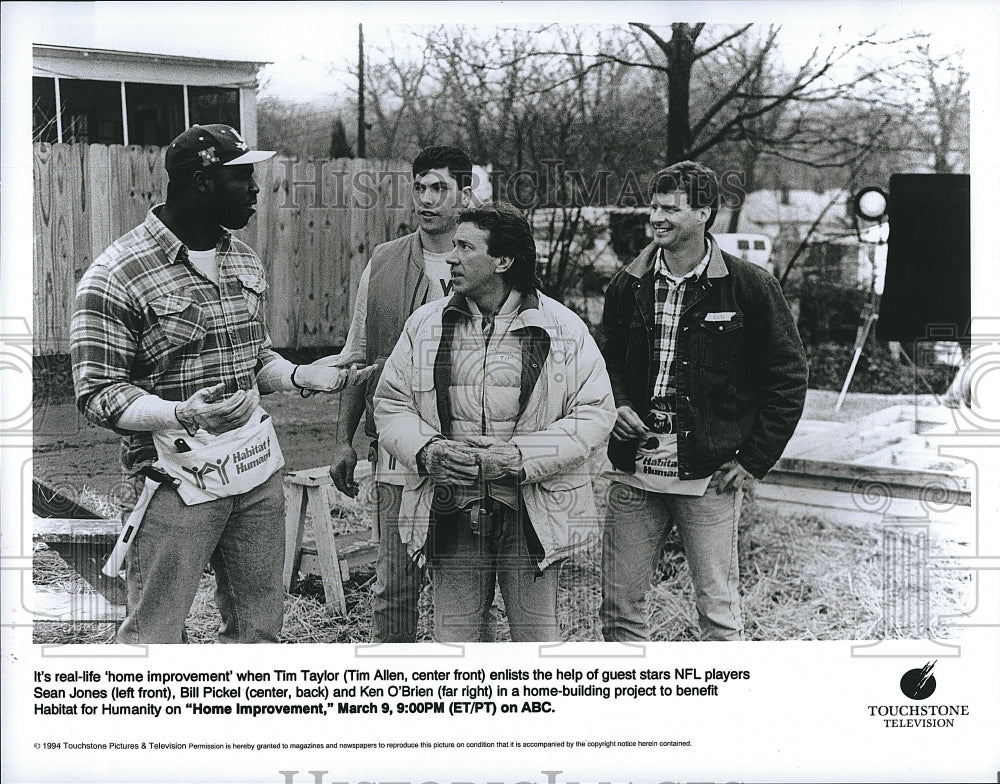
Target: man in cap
[{"x": 168, "y": 339}]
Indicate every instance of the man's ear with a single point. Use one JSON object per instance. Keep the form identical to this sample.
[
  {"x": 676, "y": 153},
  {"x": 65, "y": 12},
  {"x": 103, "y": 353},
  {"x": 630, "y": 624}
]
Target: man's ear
[
  {"x": 503, "y": 264},
  {"x": 468, "y": 198},
  {"x": 704, "y": 212},
  {"x": 202, "y": 183}
]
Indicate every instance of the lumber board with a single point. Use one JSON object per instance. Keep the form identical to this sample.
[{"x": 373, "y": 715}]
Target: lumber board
[
  {"x": 356, "y": 552},
  {"x": 320, "y": 476},
  {"x": 295, "y": 508},
  {"x": 851, "y": 441},
  {"x": 939, "y": 486},
  {"x": 68, "y": 529},
  {"x": 318, "y": 513},
  {"x": 84, "y": 545},
  {"x": 75, "y": 608}
]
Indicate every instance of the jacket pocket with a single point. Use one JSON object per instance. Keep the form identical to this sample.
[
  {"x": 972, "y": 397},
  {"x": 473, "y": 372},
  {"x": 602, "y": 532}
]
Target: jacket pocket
[
  {"x": 565, "y": 492},
  {"x": 424, "y": 392},
  {"x": 719, "y": 342},
  {"x": 422, "y": 377},
  {"x": 178, "y": 323}
]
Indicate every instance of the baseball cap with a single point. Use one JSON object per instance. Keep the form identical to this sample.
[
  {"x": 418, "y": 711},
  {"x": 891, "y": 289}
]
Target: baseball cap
[{"x": 202, "y": 146}]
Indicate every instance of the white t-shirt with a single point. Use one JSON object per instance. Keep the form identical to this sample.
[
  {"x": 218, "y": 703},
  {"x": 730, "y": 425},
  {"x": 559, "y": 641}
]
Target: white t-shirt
[
  {"x": 204, "y": 261},
  {"x": 438, "y": 273}
]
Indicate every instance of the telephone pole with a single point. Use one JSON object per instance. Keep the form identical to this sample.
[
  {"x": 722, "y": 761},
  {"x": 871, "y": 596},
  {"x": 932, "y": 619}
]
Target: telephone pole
[{"x": 361, "y": 92}]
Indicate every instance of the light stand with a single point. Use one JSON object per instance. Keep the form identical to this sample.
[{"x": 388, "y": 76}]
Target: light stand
[{"x": 871, "y": 204}]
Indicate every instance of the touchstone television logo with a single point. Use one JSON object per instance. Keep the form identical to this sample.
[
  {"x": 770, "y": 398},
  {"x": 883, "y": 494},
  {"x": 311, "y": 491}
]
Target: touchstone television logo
[{"x": 918, "y": 684}]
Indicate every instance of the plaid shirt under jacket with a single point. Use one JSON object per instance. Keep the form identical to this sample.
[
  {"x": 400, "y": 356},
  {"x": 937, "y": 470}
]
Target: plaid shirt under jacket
[
  {"x": 146, "y": 321},
  {"x": 668, "y": 302}
]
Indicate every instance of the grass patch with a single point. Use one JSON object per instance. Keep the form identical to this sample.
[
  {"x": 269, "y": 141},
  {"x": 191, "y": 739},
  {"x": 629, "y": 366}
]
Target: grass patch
[{"x": 801, "y": 579}]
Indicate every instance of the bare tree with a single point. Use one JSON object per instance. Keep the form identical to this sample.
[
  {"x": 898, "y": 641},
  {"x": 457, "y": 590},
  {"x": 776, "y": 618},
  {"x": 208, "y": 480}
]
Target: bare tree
[{"x": 945, "y": 109}]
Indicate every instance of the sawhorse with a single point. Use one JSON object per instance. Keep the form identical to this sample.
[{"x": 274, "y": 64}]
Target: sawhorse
[{"x": 309, "y": 497}]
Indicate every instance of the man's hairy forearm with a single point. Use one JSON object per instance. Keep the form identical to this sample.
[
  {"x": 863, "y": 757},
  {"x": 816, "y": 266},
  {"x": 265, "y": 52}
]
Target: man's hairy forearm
[{"x": 352, "y": 408}]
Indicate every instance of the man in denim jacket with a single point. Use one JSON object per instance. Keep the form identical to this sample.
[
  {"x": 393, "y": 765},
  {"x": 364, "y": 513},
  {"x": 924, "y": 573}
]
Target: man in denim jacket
[{"x": 704, "y": 357}]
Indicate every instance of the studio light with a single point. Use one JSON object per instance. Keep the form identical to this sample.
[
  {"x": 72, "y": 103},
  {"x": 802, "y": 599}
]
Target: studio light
[{"x": 871, "y": 203}]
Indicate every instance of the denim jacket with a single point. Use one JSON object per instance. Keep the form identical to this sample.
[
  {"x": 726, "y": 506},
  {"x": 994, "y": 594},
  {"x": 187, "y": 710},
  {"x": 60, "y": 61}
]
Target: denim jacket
[{"x": 740, "y": 367}]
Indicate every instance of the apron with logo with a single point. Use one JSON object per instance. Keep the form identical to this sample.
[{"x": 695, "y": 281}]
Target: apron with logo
[
  {"x": 202, "y": 468},
  {"x": 656, "y": 470}
]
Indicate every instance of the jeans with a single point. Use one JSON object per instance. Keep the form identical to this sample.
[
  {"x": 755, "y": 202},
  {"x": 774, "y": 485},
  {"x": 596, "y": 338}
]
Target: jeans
[
  {"x": 242, "y": 536},
  {"x": 465, "y": 575},
  {"x": 636, "y": 526},
  {"x": 398, "y": 580}
]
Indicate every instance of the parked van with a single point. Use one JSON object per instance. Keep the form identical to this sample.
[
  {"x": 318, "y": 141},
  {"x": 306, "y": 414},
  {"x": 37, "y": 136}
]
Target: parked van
[{"x": 755, "y": 248}]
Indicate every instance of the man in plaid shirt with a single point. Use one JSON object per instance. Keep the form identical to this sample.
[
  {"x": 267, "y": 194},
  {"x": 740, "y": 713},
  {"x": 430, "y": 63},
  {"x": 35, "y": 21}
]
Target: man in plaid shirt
[
  {"x": 709, "y": 377},
  {"x": 168, "y": 332}
]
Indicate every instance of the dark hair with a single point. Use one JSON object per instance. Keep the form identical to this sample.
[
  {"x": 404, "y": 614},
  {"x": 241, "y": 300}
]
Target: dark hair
[
  {"x": 454, "y": 159},
  {"x": 179, "y": 182},
  {"x": 699, "y": 183},
  {"x": 180, "y": 179},
  {"x": 508, "y": 234}
]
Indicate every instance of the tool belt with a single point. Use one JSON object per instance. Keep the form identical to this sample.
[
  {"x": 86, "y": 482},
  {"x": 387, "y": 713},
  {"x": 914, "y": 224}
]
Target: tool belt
[{"x": 216, "y": 466}]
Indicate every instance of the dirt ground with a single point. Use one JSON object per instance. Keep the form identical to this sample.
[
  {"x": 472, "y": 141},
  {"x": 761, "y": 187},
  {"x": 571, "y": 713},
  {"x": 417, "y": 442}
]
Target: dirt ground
[{"x": 70, "y": 454}]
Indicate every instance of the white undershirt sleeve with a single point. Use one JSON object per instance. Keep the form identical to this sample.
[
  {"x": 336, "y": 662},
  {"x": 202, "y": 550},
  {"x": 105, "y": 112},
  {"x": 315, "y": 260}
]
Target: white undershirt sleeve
[
  {"x": 276, "y": 376},
  {"x": 356, "y": 347},
  {"x": 149, "y": 413}
]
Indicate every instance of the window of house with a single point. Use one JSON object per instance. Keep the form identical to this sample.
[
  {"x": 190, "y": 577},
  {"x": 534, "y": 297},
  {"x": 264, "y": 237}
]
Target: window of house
[
  {"x": 43, "y": 109},
  {"x": 155, "y": 113},
  {"x": 91, "y": 111},
  {"x": 209, "y": 105}
]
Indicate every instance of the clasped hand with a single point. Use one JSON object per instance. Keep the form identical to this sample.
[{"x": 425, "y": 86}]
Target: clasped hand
[
  {"x": 463, "y": 463},
  {"x": 209, "y": 410}
]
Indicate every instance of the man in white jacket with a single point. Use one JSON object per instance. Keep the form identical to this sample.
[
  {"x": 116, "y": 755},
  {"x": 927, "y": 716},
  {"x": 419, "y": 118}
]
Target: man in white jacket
[{"x": 495, "y": 398}]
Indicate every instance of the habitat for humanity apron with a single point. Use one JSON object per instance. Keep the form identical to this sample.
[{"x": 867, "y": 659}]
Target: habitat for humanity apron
[
  {"x": 656, "y": 470},
  {"x": 204, "y": 467}
]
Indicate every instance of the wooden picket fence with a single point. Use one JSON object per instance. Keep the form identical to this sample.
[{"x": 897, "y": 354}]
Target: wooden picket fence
[{"x": 315, "y": 228}]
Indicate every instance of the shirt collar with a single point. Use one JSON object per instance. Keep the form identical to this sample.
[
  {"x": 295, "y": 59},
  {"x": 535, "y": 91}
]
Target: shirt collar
[
  {"x": 644, "y": 264},
  {"x": 510, "y": 307},
  {"x": 697, "y": 272},
  {"x": 174, "y": 249}
]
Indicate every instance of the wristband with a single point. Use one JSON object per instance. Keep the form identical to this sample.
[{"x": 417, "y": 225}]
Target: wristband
[{"x": 303, "y": 391}]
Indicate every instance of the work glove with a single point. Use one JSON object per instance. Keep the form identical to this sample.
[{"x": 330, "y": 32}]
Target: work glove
[
  {"x": 212, "y": 410},
  {"x": 449, "y": 462},
  {"x": 310, "y": 379},
  {"x": 500, "y": 461}
]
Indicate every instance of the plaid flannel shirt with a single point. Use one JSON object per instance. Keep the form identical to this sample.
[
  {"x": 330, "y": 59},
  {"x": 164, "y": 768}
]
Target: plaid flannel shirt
[
  {"x": 668, "y": 301},
  {"x": 146, "y": 321}
]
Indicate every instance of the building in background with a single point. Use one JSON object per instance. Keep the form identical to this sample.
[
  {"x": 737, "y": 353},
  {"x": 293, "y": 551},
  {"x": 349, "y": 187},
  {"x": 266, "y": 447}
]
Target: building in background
[{"x": 111, "y": 97}]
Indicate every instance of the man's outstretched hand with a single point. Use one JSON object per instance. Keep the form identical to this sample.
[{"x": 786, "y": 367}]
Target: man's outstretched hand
[{"x": 324, "y": 378}]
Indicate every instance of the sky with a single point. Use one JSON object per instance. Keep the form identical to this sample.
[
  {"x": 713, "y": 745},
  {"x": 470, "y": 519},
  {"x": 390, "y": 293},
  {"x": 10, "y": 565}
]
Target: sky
[{"x": 302, "y": 40}]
